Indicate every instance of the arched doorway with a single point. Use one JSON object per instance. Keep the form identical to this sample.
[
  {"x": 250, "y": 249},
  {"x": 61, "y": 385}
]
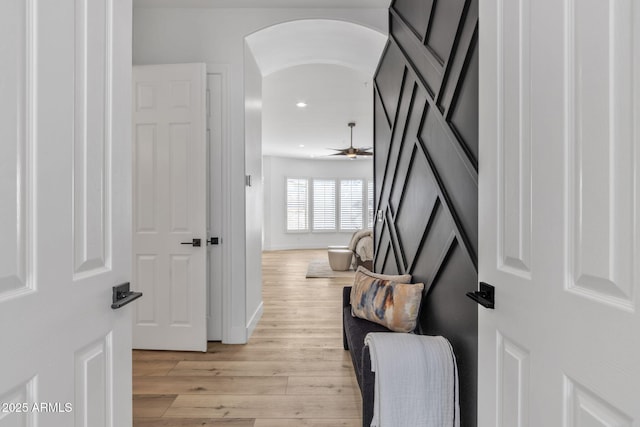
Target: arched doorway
[{"x": 298, "y": 44}]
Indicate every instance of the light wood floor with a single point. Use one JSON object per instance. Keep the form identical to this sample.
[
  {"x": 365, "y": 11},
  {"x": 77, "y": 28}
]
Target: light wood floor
[{"x": 293, "y": 371}]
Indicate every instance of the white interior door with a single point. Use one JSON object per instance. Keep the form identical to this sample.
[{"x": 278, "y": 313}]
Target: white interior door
[
  {"x": 170, "y": 207},
  {"x": 65, "y": 129},
  {"x": 559, "y": 213}
]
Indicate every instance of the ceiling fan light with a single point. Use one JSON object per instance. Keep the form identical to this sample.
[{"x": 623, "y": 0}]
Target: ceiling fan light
[{"x": 352, "y": 152}]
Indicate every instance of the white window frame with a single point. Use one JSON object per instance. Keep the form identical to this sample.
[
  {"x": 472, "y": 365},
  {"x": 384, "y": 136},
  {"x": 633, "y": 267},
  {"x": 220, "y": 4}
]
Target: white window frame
[
  {"x": 371, "y": 219},
  {"x": 335, "y": 206},
  {"x": 286, "y": 206},
  {"x": 362, "y": 209},
  {"x": 366, "y": 224}
]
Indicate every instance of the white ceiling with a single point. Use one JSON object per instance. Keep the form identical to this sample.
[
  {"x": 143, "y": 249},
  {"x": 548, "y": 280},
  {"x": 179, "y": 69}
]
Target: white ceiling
[
  {"x": 315, "y": 4},
  {"x": 326, "y": 63},
  {"x": 335, "y": 96},
  {"x": 316, "y": 41}
]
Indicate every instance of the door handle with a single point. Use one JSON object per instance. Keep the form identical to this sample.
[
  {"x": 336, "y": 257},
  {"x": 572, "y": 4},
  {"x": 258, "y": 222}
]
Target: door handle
[
  {"x": 485, "y": 296},
  {"x": 122, "y": 295},
  {"x": 194, "y": 242},
  {"x": 213, "y": 241}
]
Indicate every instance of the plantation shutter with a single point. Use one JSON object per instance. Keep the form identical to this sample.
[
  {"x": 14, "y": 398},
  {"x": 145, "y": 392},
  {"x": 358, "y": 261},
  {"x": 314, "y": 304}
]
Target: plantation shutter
[
  {"x": 324, "y": 204},
  {"x": 351, "y": 204},
  {"x": 297, "y": 204},
  {"x": 370, "y": 204}
]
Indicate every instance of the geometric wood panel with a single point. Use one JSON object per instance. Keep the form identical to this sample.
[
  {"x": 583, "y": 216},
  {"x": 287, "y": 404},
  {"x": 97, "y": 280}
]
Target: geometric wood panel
[
  {"x": 441, "y": 32},
  {"x": 92, "y": 137},
  {"x": 419, "y": 195},
  {"x": 602, "y": 184},
  {"x": 426, "y": 171},
  {"x": 514, "y": 139},
  {"x": 93, "y": 371},
  {"x": 416, "y": 14},
  {"x": 513, "y": 383},
  {"x": 16, "y": 147},
  {"x": 583, "y": 407}
]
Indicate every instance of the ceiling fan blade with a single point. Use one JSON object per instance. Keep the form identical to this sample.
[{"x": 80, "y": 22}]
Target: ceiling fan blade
[
  {"x": 364, "y": 153},
  {"x": 338, "y": 154}
]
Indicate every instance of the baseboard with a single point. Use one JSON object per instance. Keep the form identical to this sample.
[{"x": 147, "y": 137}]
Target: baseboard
[
  {"x": 257, "y": 315},
  {"x": 235, "y": 336},
  {"x": 293, "y": 247}
]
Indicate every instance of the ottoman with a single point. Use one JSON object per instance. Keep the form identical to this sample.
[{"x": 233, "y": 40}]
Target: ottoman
[{"x": 340, "y": 259}]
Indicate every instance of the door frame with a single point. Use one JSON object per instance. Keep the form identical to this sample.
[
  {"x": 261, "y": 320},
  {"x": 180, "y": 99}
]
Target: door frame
[{"x": 224, "y": 71}]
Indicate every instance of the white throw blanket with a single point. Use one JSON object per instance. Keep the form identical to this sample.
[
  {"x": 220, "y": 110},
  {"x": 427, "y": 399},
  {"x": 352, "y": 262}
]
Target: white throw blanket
[{"x": 416, "y": 381}]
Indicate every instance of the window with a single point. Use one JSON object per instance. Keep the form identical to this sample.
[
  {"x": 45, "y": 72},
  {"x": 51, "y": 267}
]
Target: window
[
  {"x": 351, "y": 204},
  {"x": 370, "y": 204},
  {"x": 324, "y": 205},
  {"x": 297, "y": 204},
  {"x": 327, "y": 204}
]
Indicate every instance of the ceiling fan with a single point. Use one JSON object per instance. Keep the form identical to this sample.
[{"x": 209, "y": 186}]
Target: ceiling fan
[{"x": 352, "y": 152}]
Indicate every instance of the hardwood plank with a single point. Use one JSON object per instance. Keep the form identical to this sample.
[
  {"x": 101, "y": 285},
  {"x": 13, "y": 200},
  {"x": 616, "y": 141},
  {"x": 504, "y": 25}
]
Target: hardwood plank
[
  {"x": 288, "y": 343},
  {"x": 258, "y": 368},
  {"x": 283, "y": 332},
  {"x": 192, "y": 422},
  {"x": 247, "y": 353},
  {"x": 312, "y": 325},
  {"x": 152, "y": 368},
  {"x": 151, "y": 405},
  {"x": 293, "y": 371},
  {"x": 327, "y": 385},
  {"x": 307, "y": 422},
  {"x": 209, "y": 385},
  {"x": 232, "y": 352},
  {"x": 264, "y": 407}
]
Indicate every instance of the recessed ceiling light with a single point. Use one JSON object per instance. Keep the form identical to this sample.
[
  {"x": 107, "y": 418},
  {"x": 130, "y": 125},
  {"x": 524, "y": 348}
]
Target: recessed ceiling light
[
  {"x": 301, "y": 104},
  {"x": 301, "y": 145}
]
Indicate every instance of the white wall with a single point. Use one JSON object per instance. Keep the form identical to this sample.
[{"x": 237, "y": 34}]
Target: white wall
[
  {"x": 253, "y": 194},
  {"x": 216, "y": 36},
  {"x": 276, "y": 170}
]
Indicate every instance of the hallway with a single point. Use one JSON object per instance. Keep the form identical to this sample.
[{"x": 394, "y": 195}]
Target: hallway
[{"x": 293, "y": 371}]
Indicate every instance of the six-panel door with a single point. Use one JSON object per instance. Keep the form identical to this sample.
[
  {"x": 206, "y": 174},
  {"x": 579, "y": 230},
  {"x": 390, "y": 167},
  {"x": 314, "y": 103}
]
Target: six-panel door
[
  {"x": 65, "y": 356},
  {"x": 559, "y": 120}
]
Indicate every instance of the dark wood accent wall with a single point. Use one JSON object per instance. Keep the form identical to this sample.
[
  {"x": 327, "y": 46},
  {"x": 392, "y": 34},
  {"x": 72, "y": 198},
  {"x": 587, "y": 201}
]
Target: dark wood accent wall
[{"x": 426, "y": 169}]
